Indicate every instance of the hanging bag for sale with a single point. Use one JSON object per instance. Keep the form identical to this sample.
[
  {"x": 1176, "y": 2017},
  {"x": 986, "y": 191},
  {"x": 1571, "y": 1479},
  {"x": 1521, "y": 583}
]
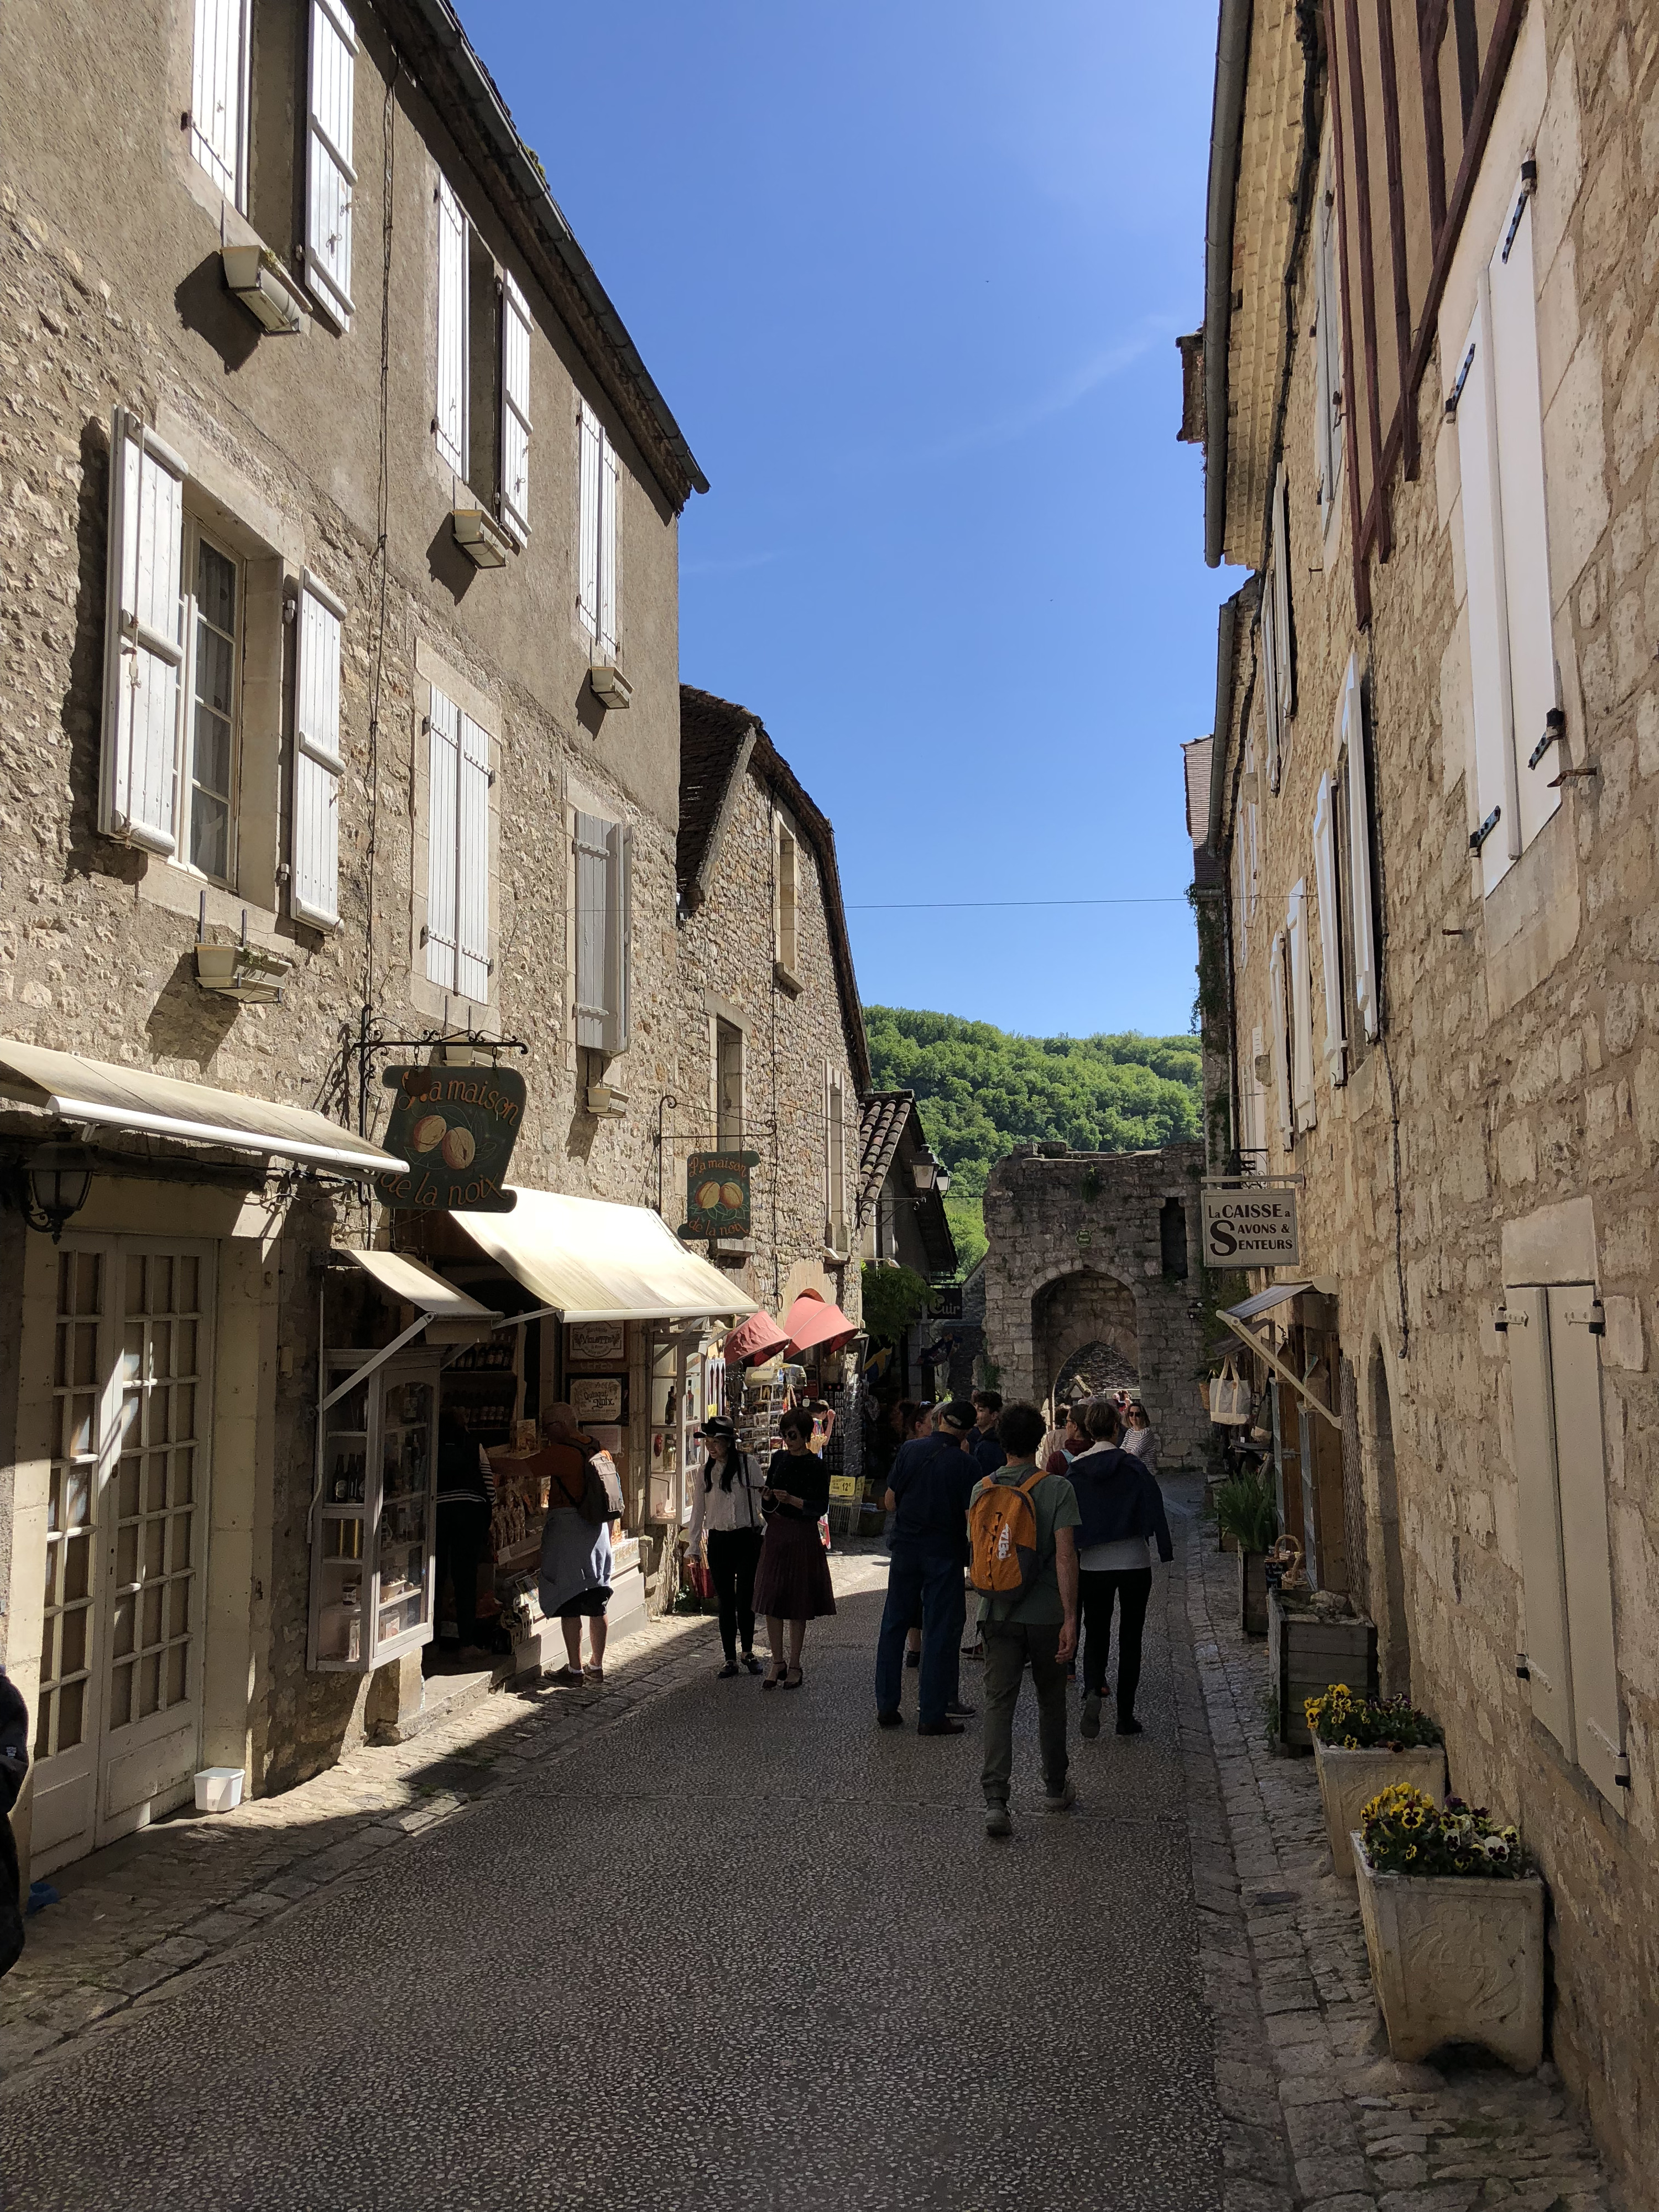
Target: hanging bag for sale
[{"x": 1230, "y": 1398}]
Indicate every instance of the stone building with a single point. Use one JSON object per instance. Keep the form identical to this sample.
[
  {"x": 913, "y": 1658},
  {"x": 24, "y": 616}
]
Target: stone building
[
  {"x": 339, "y": 713},
  {"x": 1429, "y": 369},
  {"x": 1091, "y": 1283}
]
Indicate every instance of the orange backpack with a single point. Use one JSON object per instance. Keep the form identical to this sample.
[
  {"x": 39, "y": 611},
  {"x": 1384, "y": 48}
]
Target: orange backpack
[{"x": 1002, "y": 1531}]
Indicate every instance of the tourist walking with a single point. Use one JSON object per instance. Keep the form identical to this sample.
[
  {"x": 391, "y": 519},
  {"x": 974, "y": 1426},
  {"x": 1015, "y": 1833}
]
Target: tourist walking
[
  {"x": 927, "y": 1497},
  {"x": 1022, "y": 1526},
  {"x": 727, "y": 1518},
  {"x": 988, "y": 1455},
  {"x": 1139, "y": 1436},
  {"x": 576, "y": 1556},
  {"x": 792, "y": 1581},
  {"x": 1123, "y": 1513}
]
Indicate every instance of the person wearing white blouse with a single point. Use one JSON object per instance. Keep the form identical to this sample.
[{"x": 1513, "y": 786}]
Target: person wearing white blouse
[
  {"x": 1139, "y": 1436},
  {"x": 725, "y": 1516}
]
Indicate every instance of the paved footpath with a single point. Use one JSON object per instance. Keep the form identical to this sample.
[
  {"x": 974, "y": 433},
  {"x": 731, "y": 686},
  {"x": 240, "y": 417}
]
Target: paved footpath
[{"x": 677, "y": 1943}]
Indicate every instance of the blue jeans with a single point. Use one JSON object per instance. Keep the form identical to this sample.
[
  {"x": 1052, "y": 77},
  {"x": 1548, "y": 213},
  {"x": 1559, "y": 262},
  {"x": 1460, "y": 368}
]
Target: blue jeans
[{"x": 934, "y": 1580}]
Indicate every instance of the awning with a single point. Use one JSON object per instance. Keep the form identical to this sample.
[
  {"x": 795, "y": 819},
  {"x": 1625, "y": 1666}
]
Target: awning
[
  {"x": 455, "y": 1318},
  {"x": 94, "y": 1090},
  {"x": 1264, "y": 1301},
  {"x": 758, "y": 1338},
  {"x": 592, "y": 1260},
  {"x": 812, "y": 1319}
]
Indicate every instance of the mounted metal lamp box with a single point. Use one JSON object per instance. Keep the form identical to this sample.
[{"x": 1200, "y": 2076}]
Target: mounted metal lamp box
[
  {"x": 256, "y": 277},
  {"x": 610, "y": 685},
  {"x": 245, "y": 972},
  {"x": 606, "y": 1101},
  {"x": 1311, "y": 1645},
  {"x": 481, "y": 537}
]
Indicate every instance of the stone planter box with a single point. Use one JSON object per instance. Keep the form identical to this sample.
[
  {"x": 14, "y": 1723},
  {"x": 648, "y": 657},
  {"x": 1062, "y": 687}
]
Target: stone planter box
[
  {"x": 1455, "y": 1957},
  {"x": 1252, "y": 1592},
  {"x": 1308, "y": 1650},
  {"x": 1348, "y": 1780}
]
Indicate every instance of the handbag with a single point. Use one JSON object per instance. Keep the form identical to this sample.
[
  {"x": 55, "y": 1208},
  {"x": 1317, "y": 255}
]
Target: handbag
[
  {"x": 1229, "y": 1397},
  {"x": 700, "y": 1579}
]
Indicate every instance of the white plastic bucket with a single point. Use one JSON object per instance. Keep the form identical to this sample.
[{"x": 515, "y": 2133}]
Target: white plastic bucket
[{"x": 219, "y": 1788}]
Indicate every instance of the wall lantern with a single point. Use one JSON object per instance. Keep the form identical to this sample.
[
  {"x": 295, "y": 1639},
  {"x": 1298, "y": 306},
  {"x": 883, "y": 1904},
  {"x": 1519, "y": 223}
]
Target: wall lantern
[
  {"x": 58, "y": 1180},
  {"x": 925, "y": 1171}
]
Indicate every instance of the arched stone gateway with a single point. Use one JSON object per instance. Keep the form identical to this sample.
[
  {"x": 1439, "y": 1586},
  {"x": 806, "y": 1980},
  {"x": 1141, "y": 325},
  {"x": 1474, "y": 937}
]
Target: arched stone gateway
[{"x": 1093, "y": 1278}]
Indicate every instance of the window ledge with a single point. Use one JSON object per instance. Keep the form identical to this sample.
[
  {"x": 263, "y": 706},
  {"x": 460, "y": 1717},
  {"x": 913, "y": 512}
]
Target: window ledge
[
  {"x": 786, "y": 980},
  {"x": 611, "y": 687},
  {"x": 480, "y": 536}
]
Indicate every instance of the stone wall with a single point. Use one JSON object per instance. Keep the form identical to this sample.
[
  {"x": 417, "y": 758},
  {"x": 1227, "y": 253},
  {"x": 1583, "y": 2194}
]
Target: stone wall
[{"x": 1076, "y": 1256}]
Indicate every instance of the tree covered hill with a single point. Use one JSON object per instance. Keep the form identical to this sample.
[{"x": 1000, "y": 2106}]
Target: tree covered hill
[{"x": 981, "y": 1090}]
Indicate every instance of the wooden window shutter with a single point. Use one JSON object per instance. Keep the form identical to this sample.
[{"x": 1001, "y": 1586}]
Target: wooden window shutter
[
  {"x": 1301, "y": 1008},
  {"x": 1532, "y": 1407},
  {"x": 1281, "y": 1043},
  {"x": 1330, "y": 930},
  {"x": 592, "y": 904},
  {"x": 590, "y": 438},
  {"x": 607, "y": 549},
  {"x": 1522, "y": 522},
  {"x": 443, "y": 792},
  {"x": 1586, "y": 1556},
  {"x": 331, "y": 180},
  {"x": 1284, "y": 653},
  {"x": 1361, "y": 912},
  {"x": 1483, "y": 565},
  {"x": 142, "y": 654},
  {"x": 218, "y": 95},
  {"x": 1269, "y": 637},
  {"x": 314, "y": 852},
  {"x": 515, "y": 410},
  {"x": 450, "y": 425},
  {"x": 472, "y": 862},
  {"x": 618, "y": 933}
]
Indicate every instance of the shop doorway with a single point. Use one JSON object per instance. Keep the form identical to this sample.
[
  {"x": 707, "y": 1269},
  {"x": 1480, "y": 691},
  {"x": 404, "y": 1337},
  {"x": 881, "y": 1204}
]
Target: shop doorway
[{"x": 117, "y": 1730}]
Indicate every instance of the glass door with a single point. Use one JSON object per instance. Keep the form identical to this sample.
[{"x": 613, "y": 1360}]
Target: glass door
[
  {"x": 408, "y": 1441},
  {"x": 372, "y": 1541}
]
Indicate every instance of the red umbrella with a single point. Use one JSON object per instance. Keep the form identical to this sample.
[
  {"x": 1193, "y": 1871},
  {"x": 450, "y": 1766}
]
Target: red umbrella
[
  {"x": 755, "y": 1340},
  {"x": 812, "y": 1320}
]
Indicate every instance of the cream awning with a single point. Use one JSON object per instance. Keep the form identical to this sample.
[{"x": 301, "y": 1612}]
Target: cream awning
[
  {"x": 1265, "y": 1301},
  {"x": 94, "y": 1090},
  {"x": 592, "y": 1260},
  {"x": 412, "y": 1284}
]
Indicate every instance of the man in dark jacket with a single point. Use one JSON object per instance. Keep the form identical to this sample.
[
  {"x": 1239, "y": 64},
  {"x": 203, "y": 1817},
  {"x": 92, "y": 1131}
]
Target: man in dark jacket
[
  {"x": 14, "y": 1764},
  {"x": 988, "y": 1455},
  {"x": 1123, "y": 1509},
  {"x": 927, "y": 1496}
]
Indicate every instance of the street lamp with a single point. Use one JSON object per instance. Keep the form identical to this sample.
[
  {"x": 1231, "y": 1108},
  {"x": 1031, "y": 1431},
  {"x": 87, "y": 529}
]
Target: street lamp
[
  {"x": 59, "y": 1179},
  {"x": 925, "y": 1171}
]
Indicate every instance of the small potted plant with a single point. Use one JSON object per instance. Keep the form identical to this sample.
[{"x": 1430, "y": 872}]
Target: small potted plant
[
  {"x": 1246, "y": 1511},
  {"x": 1361, "y": 1745},
  {"x": 1454, "y": 1916}
]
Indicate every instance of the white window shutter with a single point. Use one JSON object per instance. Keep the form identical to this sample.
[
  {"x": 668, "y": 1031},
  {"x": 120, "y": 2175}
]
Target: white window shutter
[
  {"x": 143, "y": 654},
  {"x": 450, "y": 420},
  {"x": 331, "y": 180},
  {"x": 587, "y": 523},
  {"x": 1531, "y": 1408},
  {"x": 1483, "y": 565},
  {"x": 618, "y": 935},
  {"x": 1353, "y": 793},
  {"x": 1301, "y": 982},
  {"x": 607, "y": 552},
  {"x": 218, "y": 95},
  {"x": 315, "y": 863},
  {"x": 1520, "y": 440},
  {"x": 515, "y": 410},
  {"x": 1330, "y": 930},
  {"x": 1587, "y": 1563},
  {"x": 1281, "y": 1032},
  {"x": 593, "y": 902},
  {"x": 443, "y": 793},
  {"x": 472, "y": 862}
]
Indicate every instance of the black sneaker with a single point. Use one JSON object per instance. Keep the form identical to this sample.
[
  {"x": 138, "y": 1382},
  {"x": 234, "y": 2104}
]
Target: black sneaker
[
  {"x": 959, "y": 1711},
  {"x": 889, "y": 1720},
  {"x": 940, "y": 1728},
  {"x": 728, "y": 1671},
  {"x": 912, "y": 1658},
  {"x": 1061, "y": 1800},
  {"x": 997, "y": 1822},
  {"x": 1131, "y": 1726},
  {"x": 751, "y": 1665}
]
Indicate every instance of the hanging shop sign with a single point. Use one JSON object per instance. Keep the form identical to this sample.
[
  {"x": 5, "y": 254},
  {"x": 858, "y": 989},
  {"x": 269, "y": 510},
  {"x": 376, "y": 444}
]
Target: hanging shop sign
[
  {"x": 595, "y": 1343},
  {"x": 1250, "y": 1226},
  {"x": 717, "y": 1193},
  {"x": 599, "y": 1397},
  {"x": 456, "y": 1127}
]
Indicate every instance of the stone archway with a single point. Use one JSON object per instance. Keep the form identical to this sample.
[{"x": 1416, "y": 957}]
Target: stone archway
[
  {"x": 1094, "y": 1369},
  {"x": 1079, "y": 1314}
]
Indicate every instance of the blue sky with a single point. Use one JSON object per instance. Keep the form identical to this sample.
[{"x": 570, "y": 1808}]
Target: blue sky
[{"x": 910, "y": 275}]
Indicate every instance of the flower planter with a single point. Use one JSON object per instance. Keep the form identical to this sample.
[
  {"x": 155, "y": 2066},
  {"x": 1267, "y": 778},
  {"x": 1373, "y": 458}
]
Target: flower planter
[
  {"x": 1348, "y": 1780},
  {"x": 1309, "y": 1648},
  {"x": 1252, "y": 1592},
  {"x": 1455, "y": 1958}
]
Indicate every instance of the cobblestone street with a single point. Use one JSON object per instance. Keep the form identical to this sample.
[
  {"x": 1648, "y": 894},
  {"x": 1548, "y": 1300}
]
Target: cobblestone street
[{"x": 453, "y": 1973}]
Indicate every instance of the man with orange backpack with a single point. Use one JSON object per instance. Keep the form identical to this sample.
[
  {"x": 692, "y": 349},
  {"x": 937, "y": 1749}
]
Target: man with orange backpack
[{"x": 1021, "y": 1528}]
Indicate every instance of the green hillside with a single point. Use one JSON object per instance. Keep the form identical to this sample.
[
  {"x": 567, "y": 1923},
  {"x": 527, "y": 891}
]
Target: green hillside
[{"x": 981, "y": 1090}]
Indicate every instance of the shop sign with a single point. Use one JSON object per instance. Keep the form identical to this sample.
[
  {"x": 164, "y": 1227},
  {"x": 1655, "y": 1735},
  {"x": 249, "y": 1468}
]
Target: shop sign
[
  {"x": 1250, "y": 1226},
  {"x": 456, "y": 1127},
  {"x": 599, "y": 1397},
  {"x": 946, "y": 1304},
  {"x": 595, "y": 1342},
  {"x": 717, "y": 1193}
]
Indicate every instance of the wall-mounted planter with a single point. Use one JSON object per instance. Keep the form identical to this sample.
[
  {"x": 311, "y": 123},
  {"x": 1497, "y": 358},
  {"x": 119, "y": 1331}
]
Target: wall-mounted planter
[
  {"x": 1309, "y": 1648},
  {"x": 1251, "y": 1591},
  {"x": 1348, "y": 1780},
  {"x": 1455, "y": 1958}
]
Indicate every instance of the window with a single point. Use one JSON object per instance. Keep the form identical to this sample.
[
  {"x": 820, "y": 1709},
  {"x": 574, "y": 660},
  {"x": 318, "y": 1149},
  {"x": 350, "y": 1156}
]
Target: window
[
  {"x": 1354, "y": 821},
  {"x": 1570, "y": 1658},
  {"x": 1327, "y": 354},
  {"x": 1330, "y": 930},
  {"x": 1253, "y": 1100},
  {"x": 728, "y": 1085},
  {"x": 1299, "y": 1005},
  {"x": 596, "y": 536},
  {"x": 207, "y": 768},
  {"x": 788, "y": 919},
  {"x": 834, "y": 1099},
  {"x": 330, "y": 179},
  {"x": 604, "y": 857},
  {"x": 1278, "y": 658},
  {"x": 1500, "y": 447},
  {"x": 219, "y": 94},
  {"x": 1282, "y": 1041},
  {"x": 458, "y": 851}
]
